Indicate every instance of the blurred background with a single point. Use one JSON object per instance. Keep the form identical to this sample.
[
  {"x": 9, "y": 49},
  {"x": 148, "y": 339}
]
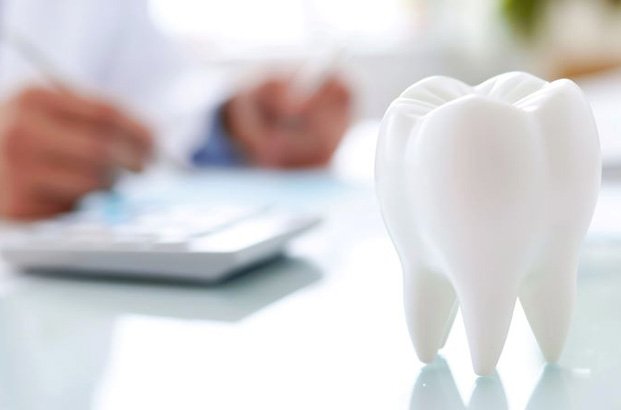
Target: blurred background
[{"x": 389, "y": 44}]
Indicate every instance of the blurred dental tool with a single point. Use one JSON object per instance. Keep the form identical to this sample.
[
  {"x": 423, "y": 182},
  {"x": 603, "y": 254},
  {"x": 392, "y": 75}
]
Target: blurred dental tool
[
  {"x": 37, "y": 59},
  {"x": 310, "y": 77},
  {"x": 314, "y": 73}
]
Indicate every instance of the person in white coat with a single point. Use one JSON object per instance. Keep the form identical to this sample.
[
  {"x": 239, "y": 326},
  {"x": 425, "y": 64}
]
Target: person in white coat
[{"x": 112, "y": 91}]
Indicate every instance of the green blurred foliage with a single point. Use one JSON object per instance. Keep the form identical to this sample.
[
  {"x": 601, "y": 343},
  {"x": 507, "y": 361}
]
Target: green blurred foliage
[{"x": 523, "y": 15}]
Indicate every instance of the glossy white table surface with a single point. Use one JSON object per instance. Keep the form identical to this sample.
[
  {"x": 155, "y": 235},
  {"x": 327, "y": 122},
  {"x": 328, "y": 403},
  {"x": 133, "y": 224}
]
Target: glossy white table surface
[{"x": 321, "y": 329}]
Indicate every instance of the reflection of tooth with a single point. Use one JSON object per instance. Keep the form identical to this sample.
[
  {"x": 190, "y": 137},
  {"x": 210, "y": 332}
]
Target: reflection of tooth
[
  {"x": 488, "y": 394},
  {"x": 487, "y": 193},
  {"x": 435, "y": 388},
  {"x": 552, "y": 391}
]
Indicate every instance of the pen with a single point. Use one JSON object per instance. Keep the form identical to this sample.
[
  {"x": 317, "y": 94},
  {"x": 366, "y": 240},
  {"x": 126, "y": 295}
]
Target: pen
[
  {"x": 310, "y": 77},
  {"x": 37, "y": 59}
]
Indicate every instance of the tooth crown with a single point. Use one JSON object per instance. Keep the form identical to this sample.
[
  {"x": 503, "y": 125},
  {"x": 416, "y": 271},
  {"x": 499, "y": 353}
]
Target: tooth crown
[{"x": 487, "y": 193}]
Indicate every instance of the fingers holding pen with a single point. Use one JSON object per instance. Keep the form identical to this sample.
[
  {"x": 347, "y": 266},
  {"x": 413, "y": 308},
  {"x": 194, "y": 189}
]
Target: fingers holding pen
[
  {"x": 56, "y": 147},
  {"x": 65, "y": 111},
  {"x": 278, "y": 125}
]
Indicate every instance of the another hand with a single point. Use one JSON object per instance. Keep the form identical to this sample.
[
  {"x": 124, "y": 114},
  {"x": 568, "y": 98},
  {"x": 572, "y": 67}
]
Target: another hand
[
  {"x": 275, "y": 128},
  {"x": 55, "y": 147}
]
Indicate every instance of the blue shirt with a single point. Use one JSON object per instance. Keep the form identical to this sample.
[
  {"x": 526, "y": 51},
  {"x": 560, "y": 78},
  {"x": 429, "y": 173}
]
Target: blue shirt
[{"x": 218, "y": 149}]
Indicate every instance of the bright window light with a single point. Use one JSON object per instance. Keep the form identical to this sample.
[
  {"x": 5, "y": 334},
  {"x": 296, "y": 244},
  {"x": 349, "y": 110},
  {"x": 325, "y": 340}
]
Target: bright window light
[{"x": 237, "y": 26}]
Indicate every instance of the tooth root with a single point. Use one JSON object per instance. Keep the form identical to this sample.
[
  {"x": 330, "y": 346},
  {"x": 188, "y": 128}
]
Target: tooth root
[
  {"x": 430, "y": 306},
  {"x": 487, "y": 312},
  {"x": 547, "y": 296},
  {"x": 449, "y": 323}
]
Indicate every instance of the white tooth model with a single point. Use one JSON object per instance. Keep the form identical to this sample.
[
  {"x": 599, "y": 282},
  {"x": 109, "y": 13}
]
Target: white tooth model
[{"x": 487, "y": 193}]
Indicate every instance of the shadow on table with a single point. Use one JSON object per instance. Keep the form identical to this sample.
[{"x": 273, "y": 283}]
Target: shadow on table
[
  {"x": 435, "y": 389},
  {"x": 232, "y": 300},
  {"x": 57, "y": 332}
]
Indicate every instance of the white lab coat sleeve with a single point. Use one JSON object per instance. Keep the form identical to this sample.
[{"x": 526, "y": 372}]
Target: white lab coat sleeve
[{"x": 148, "y": 74}]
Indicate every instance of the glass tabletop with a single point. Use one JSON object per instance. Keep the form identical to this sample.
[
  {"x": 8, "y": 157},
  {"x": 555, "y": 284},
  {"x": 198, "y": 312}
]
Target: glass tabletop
[{"x": 320, "y": 328}]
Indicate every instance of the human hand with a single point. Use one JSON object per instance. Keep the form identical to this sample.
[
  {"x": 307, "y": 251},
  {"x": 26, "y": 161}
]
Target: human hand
[
  {"x": 56, "y": 146},
  {"x": 275, "y": 128}
]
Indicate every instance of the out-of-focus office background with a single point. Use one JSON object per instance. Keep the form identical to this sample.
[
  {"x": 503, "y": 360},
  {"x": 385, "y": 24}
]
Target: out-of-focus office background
[{"x": 392, "y": 43}]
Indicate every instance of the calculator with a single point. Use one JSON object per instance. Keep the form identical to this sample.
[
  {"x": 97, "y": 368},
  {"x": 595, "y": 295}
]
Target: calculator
[{"x": 175, "y": 242}]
